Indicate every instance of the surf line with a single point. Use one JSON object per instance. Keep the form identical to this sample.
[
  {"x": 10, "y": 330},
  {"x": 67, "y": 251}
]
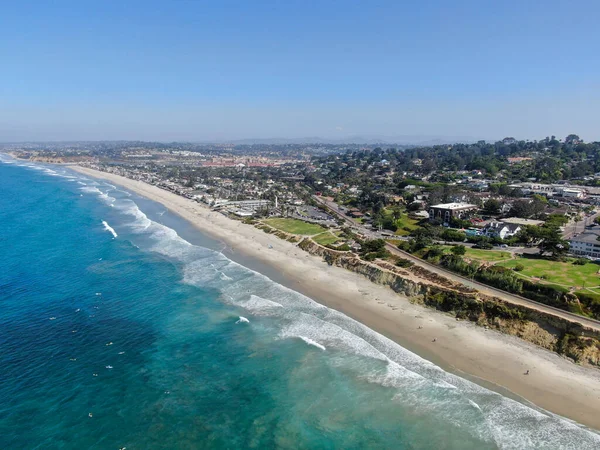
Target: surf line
[{"x": 107, "y": 227}]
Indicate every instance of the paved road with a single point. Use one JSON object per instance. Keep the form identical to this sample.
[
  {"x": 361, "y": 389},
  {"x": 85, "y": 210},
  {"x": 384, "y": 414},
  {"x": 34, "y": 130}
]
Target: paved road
[{"x": 483, "y": 288}]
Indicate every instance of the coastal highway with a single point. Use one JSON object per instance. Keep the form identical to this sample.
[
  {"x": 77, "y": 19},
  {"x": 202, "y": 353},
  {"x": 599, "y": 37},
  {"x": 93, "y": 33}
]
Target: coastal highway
[{"x": 483, "y": 288}]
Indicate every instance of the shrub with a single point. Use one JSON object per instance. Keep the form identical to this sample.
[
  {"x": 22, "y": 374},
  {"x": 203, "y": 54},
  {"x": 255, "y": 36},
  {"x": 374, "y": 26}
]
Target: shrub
[
  {"x": 434, "y": 252},
  {"x": 370, "y": 256},
  {"x": 453, "y": 235},
  {"x": 519, "y": 267},
  {"x": 401, "y": 262},
  {"x": 404, "y": 245},
  {"x": 340, "y": 248},
  {"x": 459, "y": 250},
  {"x": 580, "y": 262}
]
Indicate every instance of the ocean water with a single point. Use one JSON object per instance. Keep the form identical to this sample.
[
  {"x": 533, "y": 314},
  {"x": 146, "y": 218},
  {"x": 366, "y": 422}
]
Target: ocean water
[{"x": 115, "y": 331}]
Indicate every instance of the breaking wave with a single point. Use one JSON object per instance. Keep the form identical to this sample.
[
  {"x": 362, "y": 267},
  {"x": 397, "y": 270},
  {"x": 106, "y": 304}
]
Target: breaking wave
[
  {"x": 107, "y": 227},
  {"x": 309, "y": 341}
]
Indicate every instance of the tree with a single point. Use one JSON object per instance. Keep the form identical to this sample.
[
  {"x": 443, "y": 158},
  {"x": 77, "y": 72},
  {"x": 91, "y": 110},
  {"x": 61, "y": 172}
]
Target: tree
[
  {"x": 553, "y": 243},
  {"x": 558, "y": 220},
  {"x": 548, "y": 239},
  {"x": 521, "y": 208},
  {"x": 459, "y": 250},
  {"x": 528, "y": 208},
  {"x": 492, "y": 206},
  {"x": 453, "y": 235},
  {"x": 396, "y": 213}
]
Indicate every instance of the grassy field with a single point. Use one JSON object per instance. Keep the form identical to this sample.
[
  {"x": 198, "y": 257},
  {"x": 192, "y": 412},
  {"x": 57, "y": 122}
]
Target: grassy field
[
  {"x": 406, "y": 222},
  {"x": 295, "y": 226},
  {"x": 403, "y": 222},
  {"x": 477, "y": 254},
  {"x": 326, "y": 238},
  {"x": 486, "y": 255},
  {"x": 562, "y": 273}
]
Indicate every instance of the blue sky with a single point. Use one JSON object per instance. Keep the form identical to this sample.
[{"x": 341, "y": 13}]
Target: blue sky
[{"x": 196, "y": 70}]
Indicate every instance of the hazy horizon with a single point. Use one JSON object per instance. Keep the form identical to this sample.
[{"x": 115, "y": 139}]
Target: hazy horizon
[
  {"x": 236, "y": 71},
  {"x": 356, "y": 139}
]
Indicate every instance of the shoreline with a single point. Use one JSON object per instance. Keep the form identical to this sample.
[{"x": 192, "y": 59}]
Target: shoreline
[{"x": 487, "y": 357}]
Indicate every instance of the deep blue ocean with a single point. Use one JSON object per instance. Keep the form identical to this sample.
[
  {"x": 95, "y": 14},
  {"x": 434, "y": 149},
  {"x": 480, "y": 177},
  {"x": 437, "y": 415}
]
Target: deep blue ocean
[{"x": 122, "y": 327}]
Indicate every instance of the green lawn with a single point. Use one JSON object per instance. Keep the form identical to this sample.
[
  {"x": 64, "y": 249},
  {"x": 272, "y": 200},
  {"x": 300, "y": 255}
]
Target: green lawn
[
  {"x": 295, "y": 226},
  {"x": 326, "y": 238},
  {"x": 405, "y": 221},
  {"x": 481, "y": 255},
  {"x": 563, "y": 273},
  {"x": 487, "y": 255}
]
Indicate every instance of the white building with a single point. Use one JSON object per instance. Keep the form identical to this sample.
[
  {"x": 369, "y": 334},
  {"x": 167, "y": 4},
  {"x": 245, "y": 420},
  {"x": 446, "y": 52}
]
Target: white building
[
  {"x": 241, "y": 204},
  {"x": 446, "y": 211},
  {"x": 571, "y": 192},
  {"x": 550, "y": 190},
  {"x": 586, "y": 243},
  {"x": 501, "y": 229}
]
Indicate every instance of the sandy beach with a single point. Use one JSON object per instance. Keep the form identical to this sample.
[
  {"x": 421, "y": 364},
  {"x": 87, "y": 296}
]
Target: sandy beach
[{"x": 490, "y": 358}]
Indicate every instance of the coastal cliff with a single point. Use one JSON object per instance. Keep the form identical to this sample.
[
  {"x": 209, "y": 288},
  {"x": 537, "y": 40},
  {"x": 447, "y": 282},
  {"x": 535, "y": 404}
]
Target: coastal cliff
[{"x": 568, "y": 338}]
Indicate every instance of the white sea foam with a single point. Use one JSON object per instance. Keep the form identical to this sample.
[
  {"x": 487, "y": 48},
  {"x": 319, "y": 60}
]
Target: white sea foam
[
  {"x": 94, "y": 190},
  {"x": 224, "y": 277},
  {"x": 128, "y": 207},
  {"x": 309, "y": 341},
  {"x": 445, "y": 384},
  {"x": 259, "y": 305},
  {"x": 474, "y": 405},
  {"x": 242, "y": 320},
  {"x": 90, "y": 190},
  {"x": 107, "y": 199},
  {"x": 107, "y": 227}
]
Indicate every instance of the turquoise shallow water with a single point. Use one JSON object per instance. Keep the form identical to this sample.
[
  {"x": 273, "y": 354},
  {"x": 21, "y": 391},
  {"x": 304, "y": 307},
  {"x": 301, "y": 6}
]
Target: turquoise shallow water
[{"x": 106, "y": 311}]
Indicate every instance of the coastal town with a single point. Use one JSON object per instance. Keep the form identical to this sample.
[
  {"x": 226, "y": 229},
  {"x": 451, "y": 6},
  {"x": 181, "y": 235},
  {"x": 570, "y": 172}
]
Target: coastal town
[{"x": 518, "y": 216}]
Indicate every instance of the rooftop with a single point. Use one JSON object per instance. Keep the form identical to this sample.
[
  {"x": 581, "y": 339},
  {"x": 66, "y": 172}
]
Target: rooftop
[
  {"x": 519, "y": 221},
  {"x": 454, "y": 206},
  {"x": 587, "y": 237},
  {"x": 590, "y": 235}
]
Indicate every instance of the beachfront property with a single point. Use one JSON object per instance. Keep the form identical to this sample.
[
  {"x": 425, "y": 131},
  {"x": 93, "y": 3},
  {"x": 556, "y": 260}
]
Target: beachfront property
[
  {"x": 586, "y": 243},
  {"x": 501, "y": 229},
  {"x": 240, "y": 208},
  {"x": 447, "y": 211},
  {"x": 509, "y": 227},
  {"x": 251, "y": 205}
]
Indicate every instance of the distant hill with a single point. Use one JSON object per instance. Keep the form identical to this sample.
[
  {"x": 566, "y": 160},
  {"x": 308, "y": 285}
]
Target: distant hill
[{"x": 363, "y": 140}]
